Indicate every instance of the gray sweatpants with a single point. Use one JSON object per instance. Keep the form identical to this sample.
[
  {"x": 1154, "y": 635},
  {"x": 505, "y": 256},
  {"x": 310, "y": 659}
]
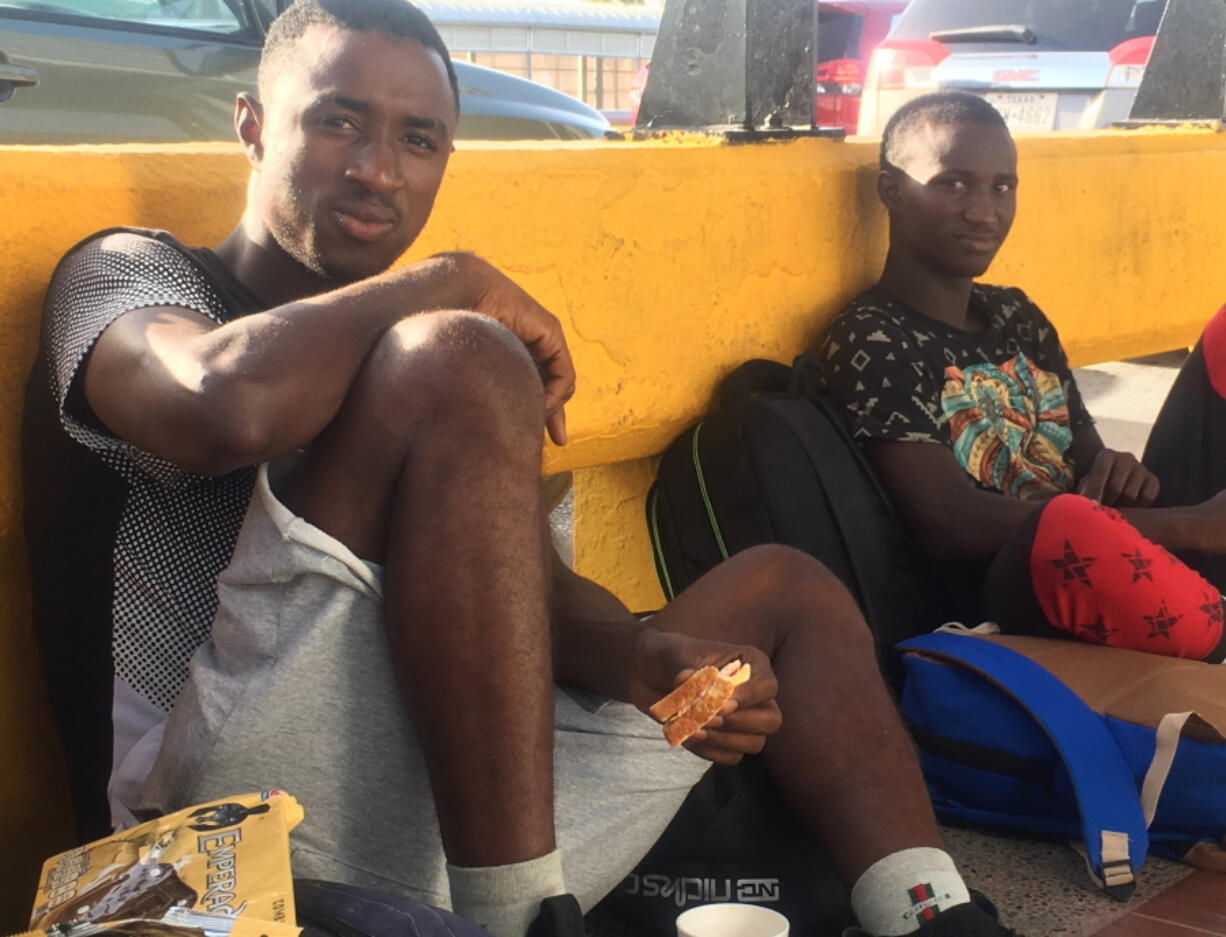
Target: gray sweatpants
[{"x": 295, "y": 691}]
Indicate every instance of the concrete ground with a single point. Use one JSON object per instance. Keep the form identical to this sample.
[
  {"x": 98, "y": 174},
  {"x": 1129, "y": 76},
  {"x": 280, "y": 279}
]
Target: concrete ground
[
  {"x": 1043, "y": 888},
  {"x": 1125, "y": 396}
]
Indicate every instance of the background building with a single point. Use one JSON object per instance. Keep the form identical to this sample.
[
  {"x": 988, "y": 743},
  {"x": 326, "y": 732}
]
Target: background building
[{"x": 591, "y": 51}]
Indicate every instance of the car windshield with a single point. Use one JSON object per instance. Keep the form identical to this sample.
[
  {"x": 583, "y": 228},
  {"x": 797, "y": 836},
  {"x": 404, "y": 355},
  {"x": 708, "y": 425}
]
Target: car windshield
[
  {"x": 217, "y": 16},
  {"x": 838, "y": 34},
  {"x": 1075, "y": 25}
]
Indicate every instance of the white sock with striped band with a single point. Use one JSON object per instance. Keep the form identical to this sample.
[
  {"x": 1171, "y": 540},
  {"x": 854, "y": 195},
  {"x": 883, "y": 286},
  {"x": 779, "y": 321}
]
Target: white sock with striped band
[{"x": 902, "y": 891}]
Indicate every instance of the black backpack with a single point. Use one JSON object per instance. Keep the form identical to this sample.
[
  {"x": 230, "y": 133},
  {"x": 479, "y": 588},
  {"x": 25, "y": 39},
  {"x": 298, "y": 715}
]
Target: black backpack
[{"x": 775, "y": 463}]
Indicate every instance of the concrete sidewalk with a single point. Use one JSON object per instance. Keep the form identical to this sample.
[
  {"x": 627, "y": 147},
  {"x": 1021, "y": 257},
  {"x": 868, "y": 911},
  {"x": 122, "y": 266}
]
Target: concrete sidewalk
[{"x": 1125, "y": 396}]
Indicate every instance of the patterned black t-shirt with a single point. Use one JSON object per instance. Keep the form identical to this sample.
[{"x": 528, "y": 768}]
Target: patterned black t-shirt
[
  {"x": 125, "y": 548},
  {"x": 1004, "y": 399}
]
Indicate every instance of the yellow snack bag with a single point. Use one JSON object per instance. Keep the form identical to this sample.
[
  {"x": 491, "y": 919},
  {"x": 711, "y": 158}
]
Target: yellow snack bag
[
  {"x": 226, "y": 858},
  {"x": 186, "y": 924}
]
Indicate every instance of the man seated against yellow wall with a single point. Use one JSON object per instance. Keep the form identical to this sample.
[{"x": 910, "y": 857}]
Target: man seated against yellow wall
[
  {"x": 963, "y": 399},
  {"x": 321, "y": 480}
]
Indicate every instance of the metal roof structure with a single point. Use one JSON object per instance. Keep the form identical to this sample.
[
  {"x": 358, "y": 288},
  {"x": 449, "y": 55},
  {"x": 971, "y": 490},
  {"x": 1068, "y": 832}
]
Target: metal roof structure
[{"x": 566, "y": 27}]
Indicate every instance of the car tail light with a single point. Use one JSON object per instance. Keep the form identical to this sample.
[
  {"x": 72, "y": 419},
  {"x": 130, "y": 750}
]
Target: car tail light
[
  {"x": 1128, "y": 61},
  {"x": 838, "y": 110},
  {"x": 1133, "y": 52},
  {"x": 840, "y": 76},
  {"x": 899, "y": 64}
]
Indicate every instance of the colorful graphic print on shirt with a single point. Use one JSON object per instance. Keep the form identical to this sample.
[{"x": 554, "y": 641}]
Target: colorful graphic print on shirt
[{"x": 1009, "y": 427}]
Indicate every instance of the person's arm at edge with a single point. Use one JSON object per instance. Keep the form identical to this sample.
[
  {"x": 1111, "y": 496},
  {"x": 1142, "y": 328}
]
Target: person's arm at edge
[
  {"x": 212, "y": 398},
  {"x": 954, "y": 520},
  {"x": 595, "y": 637}
]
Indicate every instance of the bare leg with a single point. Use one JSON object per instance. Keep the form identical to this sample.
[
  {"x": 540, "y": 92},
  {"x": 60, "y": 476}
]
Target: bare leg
[
  {"x": 841, "y": 758},
  {"x": 432, "y": 468}
]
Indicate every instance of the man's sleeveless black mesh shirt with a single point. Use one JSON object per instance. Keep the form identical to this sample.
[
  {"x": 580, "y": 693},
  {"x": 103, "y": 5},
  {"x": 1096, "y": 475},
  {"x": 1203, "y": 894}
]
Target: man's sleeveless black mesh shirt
[{"x": 125, "y": 547}]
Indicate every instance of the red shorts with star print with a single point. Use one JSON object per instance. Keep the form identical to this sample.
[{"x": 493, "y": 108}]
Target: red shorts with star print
[{"x": 1086, "y": 573}]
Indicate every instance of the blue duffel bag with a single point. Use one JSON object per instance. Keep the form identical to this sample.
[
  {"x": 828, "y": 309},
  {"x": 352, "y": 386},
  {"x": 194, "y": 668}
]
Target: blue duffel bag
[{"x": 1121, "y": 750}]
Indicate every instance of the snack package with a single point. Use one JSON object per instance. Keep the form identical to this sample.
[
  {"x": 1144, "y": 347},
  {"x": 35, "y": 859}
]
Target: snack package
[
  {"x": 223, "y": 859},
  {"x": 176, "y": 924}
]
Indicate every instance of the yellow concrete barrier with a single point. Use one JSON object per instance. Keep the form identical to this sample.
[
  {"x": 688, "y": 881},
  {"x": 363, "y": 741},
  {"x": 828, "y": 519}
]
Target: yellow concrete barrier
[{"x": 668, "y": 263}]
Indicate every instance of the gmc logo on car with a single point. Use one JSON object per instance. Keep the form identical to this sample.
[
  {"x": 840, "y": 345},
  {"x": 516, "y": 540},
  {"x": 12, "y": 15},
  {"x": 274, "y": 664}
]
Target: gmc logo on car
[{"x": 1008, "y": 75}]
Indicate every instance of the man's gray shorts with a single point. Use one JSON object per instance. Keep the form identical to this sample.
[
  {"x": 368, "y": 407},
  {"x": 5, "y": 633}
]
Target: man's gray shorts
[{"x": 295, "y": 691}]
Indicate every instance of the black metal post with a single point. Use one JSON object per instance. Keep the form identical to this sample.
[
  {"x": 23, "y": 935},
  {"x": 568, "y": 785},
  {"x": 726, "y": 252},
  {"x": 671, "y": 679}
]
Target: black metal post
[
  {"x": 739, "y": 67},
  {"x": 1185, "y": 80}
]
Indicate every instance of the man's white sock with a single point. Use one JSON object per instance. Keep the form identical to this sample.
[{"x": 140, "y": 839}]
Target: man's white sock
[
  {"x": 505, "y": 899},
  {"x": 902, "y": 891}
]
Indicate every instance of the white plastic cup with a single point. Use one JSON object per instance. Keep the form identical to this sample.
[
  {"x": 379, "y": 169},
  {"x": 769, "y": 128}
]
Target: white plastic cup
[{"x": 731, "y": 920}]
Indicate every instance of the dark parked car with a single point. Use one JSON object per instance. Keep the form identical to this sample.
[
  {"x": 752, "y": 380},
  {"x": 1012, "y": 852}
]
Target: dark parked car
[{"x": 164, "y": 71}]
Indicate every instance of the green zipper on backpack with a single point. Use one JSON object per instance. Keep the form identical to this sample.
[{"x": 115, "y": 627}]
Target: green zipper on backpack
[
  {"x": 706, "y": 500},
  {"x": 657, "y": 549}
]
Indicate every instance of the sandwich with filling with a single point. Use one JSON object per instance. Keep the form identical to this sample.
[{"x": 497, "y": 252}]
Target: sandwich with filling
[{"x": 698, "y": 700}]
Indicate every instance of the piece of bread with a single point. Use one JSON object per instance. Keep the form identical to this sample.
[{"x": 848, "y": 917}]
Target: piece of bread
[
  {"x": 698, "y": 700},
  {"x": 684, "y": 696},
  {"x": 701, "y": 712}
]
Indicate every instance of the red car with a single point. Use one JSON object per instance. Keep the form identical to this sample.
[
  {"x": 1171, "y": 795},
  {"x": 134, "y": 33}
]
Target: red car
[{"x": 847, "y": 33}]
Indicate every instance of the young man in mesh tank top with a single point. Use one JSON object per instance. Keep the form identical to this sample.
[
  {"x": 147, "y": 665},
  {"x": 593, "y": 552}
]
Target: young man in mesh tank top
[{"x": 391, "y": 638}]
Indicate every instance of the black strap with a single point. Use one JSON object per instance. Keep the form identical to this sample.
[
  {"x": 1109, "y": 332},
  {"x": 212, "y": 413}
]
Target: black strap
[
  {"x": 806, "y": 376},
  {"x": 560, "y": 917},
  {"x": 756, "y": 376},
  {"x": 838, "y": 476}
]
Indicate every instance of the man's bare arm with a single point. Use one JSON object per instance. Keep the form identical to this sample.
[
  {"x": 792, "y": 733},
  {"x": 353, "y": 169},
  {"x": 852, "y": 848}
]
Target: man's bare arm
[
  {"x": 954, "y": 520},
  {"x": 211, "y": 398},
  {"x": 1116, "y": 479},
  {"x": 1086, "y": 446},
  {"x": 599, "y": 646},
  {"x": 594, "y": 635}
]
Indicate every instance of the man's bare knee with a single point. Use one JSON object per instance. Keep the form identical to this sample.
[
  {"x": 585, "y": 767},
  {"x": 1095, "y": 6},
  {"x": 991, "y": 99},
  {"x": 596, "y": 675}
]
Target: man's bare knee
[
  {"x": 457, "y": 364},
  {"x": 803, "y": 593},
  {"x": 774, "y": 568},
  {"x": 440, "y": 393}
]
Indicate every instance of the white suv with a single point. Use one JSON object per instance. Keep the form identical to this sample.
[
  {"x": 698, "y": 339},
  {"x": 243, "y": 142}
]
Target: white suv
[{"x": 1044, "y": 64}]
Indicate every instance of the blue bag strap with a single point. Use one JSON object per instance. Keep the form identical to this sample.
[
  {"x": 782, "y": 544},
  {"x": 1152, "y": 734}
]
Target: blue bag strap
[{"x": 1112, "y": 824}]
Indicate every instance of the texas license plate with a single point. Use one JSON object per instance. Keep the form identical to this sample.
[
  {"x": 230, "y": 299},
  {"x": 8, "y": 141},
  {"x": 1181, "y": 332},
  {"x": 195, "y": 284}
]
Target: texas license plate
[{"x": 1026, "y": 112}]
